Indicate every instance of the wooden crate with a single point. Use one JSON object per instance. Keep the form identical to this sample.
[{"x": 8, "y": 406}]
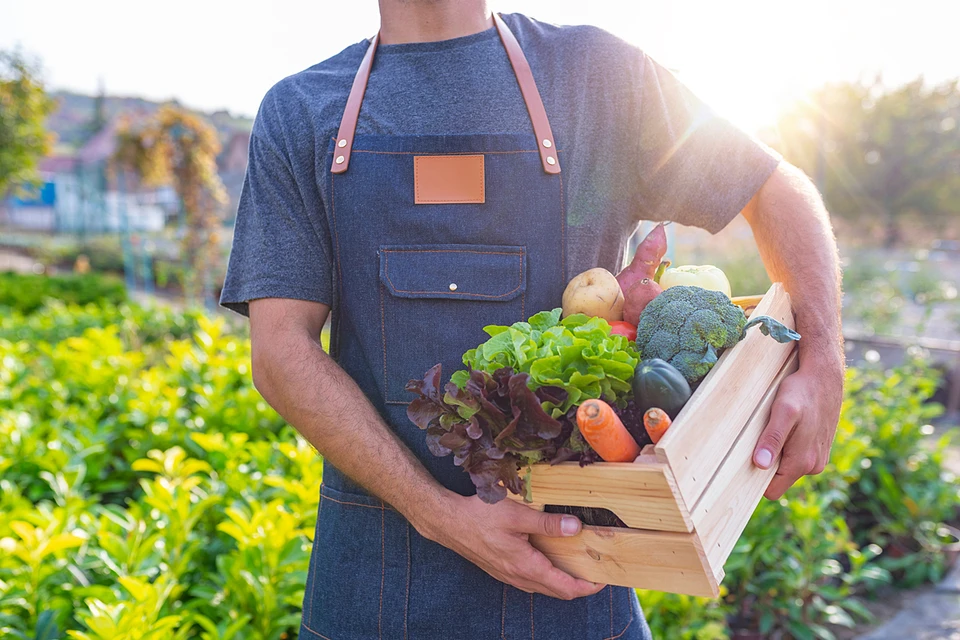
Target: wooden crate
[{"x": 687, "y": 499}]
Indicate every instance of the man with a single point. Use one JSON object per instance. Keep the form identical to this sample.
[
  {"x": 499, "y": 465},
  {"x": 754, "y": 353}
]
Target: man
[{"x": 452, "y": 173}]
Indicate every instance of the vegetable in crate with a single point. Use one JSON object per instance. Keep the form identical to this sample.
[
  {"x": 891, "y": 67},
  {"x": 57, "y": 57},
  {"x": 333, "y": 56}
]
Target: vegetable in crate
[
  {"x": 658, "y": 384},
  {"x": 705, "y": 276},
  {"x": 689, "y": 327},
  {"x": 656, "y": 422},
  {"x": 595, "y": 292},
  {"x": 577, "y": 354},
  {"x": 639, "y": 279},
  {"x": 604, "y": 431},
  {"x": 625, "y": 329},
  {"x": 511, "y": 408},
  {"x": 493, "y": 425}
]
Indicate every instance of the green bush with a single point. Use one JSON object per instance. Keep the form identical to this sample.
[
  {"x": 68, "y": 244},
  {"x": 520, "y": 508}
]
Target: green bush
[
  {"x": 105, "y": 253},
  {"x": 27, "y": 293},
  {"x": 148, "y": 491}
]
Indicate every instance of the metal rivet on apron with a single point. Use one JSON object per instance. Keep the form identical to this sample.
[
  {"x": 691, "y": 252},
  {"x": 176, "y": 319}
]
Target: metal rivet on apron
[
  {"x": 547, "y": 143},
  {"x": 550, "y": 160},
  {"x": 453, "y": 286},
  {"x": 340, "y": 160},
  {"x": 343, "y": 143}
]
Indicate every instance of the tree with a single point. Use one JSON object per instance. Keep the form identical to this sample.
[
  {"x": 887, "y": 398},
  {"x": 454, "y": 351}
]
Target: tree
[
  {"x": 24, "y": 106},
  {"x": 881, "y": 156},
  {"x": 178, "y": 148}
]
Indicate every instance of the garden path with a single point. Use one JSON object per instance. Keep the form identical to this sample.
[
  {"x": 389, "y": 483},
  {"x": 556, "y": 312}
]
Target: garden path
[{"x": 931, "y": 614}]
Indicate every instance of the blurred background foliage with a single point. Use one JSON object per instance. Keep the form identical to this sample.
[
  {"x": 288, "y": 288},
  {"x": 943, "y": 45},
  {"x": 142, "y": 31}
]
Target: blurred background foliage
[{"x": 147, "y": 490}]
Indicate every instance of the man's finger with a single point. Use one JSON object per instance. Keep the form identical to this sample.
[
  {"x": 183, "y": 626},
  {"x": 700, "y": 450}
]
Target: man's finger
[
  {"x": 554, "y": 525},
  {"x": 779, "y": 485},
  {"x": 798, "y": 461},
  {"x": 558, "y": 583},
  {"x": 783, "y": 418}
]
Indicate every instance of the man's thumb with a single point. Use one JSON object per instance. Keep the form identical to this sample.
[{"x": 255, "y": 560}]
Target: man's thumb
[
  {"x": 553, "y": 524},
  {"x": 783, "y": 418}
]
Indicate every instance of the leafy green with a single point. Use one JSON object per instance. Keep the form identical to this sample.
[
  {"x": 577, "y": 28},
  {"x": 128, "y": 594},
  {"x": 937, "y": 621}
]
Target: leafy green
[
  {"x": 770, "y": 327},
  {"x": 577, "y": 354},
  {"x": 493, "y": 426}
]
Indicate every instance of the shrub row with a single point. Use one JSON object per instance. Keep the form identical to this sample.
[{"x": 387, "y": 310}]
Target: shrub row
[
  {"x": 147, "y": 491},
  {"x": 27, "y": 293}
]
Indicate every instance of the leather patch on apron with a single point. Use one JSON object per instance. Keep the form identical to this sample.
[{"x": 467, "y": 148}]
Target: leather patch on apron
[{"x": 448, "y": 179}]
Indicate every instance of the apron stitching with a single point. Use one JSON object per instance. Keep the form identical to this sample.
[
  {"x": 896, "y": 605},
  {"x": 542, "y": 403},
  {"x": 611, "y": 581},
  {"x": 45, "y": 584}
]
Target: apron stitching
[
  {"x": 383, "y": 330},
  {"x": 458, "y": 294},
  {"x": 357, "y": 504},
  {"x": 319, "y": 635},
  {"x": 503, "y": 614},
  {"x": 523, "y": 296},
  {"x": 531, "y": 618},
  {"x": 629, "y": 622},
  {"x": 406, "y": 602},
  {"x": 610, "y": 590},
  {"x": 383, "y": 568},
  {"x": 313, "y": 587},
  {"x": 484, "y": 253}
]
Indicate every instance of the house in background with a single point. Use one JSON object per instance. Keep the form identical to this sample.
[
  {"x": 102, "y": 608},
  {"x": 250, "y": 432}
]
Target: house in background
[{"x": 80, "y": 195}]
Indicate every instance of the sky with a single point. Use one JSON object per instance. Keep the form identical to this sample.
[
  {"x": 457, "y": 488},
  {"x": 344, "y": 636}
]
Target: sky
[{"x": 747, "y": 58}]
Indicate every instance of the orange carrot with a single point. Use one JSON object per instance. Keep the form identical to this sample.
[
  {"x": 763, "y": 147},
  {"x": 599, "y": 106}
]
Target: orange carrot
[
  {"x": 602, "y": 429},
  {"x": 656, "y": 422}
]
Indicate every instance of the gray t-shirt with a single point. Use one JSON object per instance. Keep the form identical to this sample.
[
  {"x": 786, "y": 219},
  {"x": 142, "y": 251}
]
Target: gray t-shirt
[{"x": 642, "y": 146}]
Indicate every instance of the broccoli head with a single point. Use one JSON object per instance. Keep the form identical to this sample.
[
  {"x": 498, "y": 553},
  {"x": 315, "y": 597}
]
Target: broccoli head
[{"x": 689, "y": 327}]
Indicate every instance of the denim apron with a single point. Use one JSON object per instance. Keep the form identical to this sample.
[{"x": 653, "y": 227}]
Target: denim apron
[{"x": 416, "y": 284}]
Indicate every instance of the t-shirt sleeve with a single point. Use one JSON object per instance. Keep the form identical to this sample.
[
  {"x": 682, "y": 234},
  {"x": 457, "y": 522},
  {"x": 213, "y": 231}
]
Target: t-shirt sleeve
[
  {"x": 695, "y": 168},
  {"x": 281, "y": 247}
]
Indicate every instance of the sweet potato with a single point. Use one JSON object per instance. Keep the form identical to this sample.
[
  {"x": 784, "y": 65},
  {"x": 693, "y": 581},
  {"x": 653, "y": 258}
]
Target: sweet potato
[{"x": 646, "y": 260}]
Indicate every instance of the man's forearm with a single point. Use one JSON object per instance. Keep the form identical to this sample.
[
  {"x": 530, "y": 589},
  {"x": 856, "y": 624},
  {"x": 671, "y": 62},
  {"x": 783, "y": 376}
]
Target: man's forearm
[
  {"x": 796, "y": 243},
  {"x": 317, "y": 397}
]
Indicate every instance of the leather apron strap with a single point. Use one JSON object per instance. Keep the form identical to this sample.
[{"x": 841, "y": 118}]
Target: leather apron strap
[{"x": 528, "y": 89}]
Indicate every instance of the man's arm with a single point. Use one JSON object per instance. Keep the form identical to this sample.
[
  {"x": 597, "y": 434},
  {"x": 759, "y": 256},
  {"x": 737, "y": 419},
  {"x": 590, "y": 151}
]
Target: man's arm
[
  {"x": 792, "y": 230},
  {"x": 306, "y": 387}
]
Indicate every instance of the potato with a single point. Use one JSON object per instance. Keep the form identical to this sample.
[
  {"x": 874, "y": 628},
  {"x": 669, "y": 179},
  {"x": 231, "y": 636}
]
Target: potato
[{"x": 595, "y": 292}]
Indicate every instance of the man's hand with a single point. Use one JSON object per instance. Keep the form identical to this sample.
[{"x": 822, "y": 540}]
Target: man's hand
[
  {"x": 802, "y": 424},
  {"x": 495, "y": 537},
  {"x": 795, "y": 240}
]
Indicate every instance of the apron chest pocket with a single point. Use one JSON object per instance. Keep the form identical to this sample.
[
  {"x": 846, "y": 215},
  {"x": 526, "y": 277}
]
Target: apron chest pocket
[{"x": 435, "y": 301}]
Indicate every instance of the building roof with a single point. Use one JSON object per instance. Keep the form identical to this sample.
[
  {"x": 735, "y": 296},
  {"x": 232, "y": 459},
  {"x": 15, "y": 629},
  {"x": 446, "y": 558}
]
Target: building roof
[{"x": 58, "y": 164}]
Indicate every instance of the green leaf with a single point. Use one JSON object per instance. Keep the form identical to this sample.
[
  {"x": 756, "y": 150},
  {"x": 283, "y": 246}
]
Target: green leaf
[
  {"x": 545, "y": 319},
  {"x": 47, "y": 628},
  {"x": 460, "y": 378},
  {"x": 770, "y": 327}
]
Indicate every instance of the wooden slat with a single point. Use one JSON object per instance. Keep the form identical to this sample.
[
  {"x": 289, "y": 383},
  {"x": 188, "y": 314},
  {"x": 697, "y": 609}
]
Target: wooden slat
[
  {"x": 705, "y": 430},
  {"x": 725, "y": 507},
  {"x": 664, "y": 561},
  {"x": 643, "y": 495}
]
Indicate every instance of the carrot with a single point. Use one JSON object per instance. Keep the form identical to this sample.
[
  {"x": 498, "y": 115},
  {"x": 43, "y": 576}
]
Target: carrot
[
  {"x": 656, "y": 422},
  {"x": 602, "y": 429}
]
